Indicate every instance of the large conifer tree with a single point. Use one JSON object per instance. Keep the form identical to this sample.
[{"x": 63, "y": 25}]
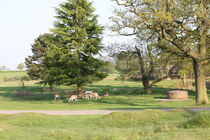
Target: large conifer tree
[{"x": 79, "y": 35}]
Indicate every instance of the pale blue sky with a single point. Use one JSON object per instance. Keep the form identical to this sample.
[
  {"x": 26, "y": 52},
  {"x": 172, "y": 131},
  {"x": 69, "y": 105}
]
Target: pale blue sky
[{"x": 22, "y": 21}]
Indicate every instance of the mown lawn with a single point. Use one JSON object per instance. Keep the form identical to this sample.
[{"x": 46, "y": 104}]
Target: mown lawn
[{"x": 143, "y": 125}]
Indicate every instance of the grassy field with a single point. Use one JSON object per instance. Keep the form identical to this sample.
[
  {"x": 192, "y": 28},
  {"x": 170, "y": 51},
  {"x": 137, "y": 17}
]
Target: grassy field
[
  {"x": 8, "y": 74},
  {"x": 124, "y": 95},
  {"x": 145, "y": 125}
]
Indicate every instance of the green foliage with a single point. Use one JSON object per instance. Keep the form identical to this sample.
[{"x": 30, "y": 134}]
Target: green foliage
[
  {"x": 22, "y": 81},
  {"x": 185, "y": 68},
  {"x": 21, "y": 66},
  {"x": 127, "y": 66},
  {"x": 34, "y": 63},
  {"x": 73, "y": 61},
  {"x": 108, "y": 67},
  {"x": 183, "y": 24}
]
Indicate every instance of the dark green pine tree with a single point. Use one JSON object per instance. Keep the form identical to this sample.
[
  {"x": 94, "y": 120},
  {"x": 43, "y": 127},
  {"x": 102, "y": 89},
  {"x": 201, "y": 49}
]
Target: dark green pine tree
[
  {"x": 36, "y": 68},
  {"x": 34, "y": 63},
  {"x": 80, "y": 38}
]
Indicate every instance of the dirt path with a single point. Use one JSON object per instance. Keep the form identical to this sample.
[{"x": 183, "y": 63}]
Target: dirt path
[{"x": 86, "y": 112}]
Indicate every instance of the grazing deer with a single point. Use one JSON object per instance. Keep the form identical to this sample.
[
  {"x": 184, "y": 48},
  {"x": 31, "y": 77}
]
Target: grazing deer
[
  {"x": 57, "y": 96},
  {"x": 94, "y": 95},
  {"x": 87, "y": 94},
  {"x": 73, "y": 98}
]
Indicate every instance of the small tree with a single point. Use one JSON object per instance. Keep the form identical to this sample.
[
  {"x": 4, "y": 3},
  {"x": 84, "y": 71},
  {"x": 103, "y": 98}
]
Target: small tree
[
  {"x": 185, "y": 69},
  {"x": 3, "y": 68},
  {"x": 21, "y": 66},
  {"x": 22, "y": 81}
]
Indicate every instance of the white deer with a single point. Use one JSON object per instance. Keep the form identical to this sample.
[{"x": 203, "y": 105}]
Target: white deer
[{"x": 88, "y": 94}]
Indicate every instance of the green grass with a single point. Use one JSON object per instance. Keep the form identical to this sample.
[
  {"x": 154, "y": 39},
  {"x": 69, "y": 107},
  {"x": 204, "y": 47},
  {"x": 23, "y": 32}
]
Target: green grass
[
  {"x": 124, "y": 95},
  {"x": 11, "y": 74},
  {"x": 144, "y": 125}
]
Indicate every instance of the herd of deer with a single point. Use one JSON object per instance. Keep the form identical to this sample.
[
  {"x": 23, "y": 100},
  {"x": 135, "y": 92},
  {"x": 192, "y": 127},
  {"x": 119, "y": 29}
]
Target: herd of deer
[{"x": 88, "y": 95}]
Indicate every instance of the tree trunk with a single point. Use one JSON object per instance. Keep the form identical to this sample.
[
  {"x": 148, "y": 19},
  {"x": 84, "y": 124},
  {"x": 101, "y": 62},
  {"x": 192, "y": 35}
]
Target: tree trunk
[
  {"x": 23, "y": 84},
  {"x": 51, "y": 87},
  {"x": 79, "y": 89},
  {"x": 184, "y": 81},
  {"x": 146, "y": 85},
  {"x": 79, "y": 93},
  {"x": 200, "y": 83}
]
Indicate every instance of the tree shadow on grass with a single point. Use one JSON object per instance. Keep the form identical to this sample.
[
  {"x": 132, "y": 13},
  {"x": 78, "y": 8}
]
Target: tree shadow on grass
[
  {"x": 124, "y": 90},
  {"x": 37, "y": 93},
  {"x": 34, "y": 93}
]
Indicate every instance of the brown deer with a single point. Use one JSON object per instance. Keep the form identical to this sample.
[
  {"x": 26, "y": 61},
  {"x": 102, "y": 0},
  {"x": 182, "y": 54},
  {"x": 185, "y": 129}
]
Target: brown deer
[
  {"x": 73, "y": 98},
  {"x": 57, "y": 96},
  {"x": 94, "y": 95}
]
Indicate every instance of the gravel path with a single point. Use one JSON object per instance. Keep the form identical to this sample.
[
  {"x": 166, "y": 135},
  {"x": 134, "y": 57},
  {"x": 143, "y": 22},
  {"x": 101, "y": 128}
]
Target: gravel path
[{"x": 86, "y": 112}]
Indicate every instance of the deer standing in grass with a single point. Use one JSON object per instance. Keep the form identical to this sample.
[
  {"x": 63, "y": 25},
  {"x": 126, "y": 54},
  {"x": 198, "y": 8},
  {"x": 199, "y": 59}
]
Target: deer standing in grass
[
  {"x": 95, "y": 96},
  {"x": 57, "y": 96},
  {"x": 92, "y": 95},
  {"x": 72, "y": 99}
]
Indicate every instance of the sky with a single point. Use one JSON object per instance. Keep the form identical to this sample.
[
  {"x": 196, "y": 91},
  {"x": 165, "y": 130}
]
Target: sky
[{"x": 22, "y": 21}]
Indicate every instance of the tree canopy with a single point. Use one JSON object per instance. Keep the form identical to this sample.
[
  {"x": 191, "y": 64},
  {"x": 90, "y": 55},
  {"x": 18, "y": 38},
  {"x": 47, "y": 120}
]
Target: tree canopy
[
  {"x": 184, "y": 24},
  {"x": 79, "y": 36}
]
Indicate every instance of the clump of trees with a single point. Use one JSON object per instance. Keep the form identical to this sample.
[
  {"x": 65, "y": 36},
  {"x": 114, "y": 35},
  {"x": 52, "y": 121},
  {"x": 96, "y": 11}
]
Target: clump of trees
[
  {"x": 143, "y": 61},
  {"x": 67, "y": 56},
  {"x": 3, "y": 68},
  {"x": 168, "y": 34},
  {"x": 182, "y": 24}
]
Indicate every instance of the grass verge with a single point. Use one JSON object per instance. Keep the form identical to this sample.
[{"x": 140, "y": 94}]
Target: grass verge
[{"x": 144, "y": 125}]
